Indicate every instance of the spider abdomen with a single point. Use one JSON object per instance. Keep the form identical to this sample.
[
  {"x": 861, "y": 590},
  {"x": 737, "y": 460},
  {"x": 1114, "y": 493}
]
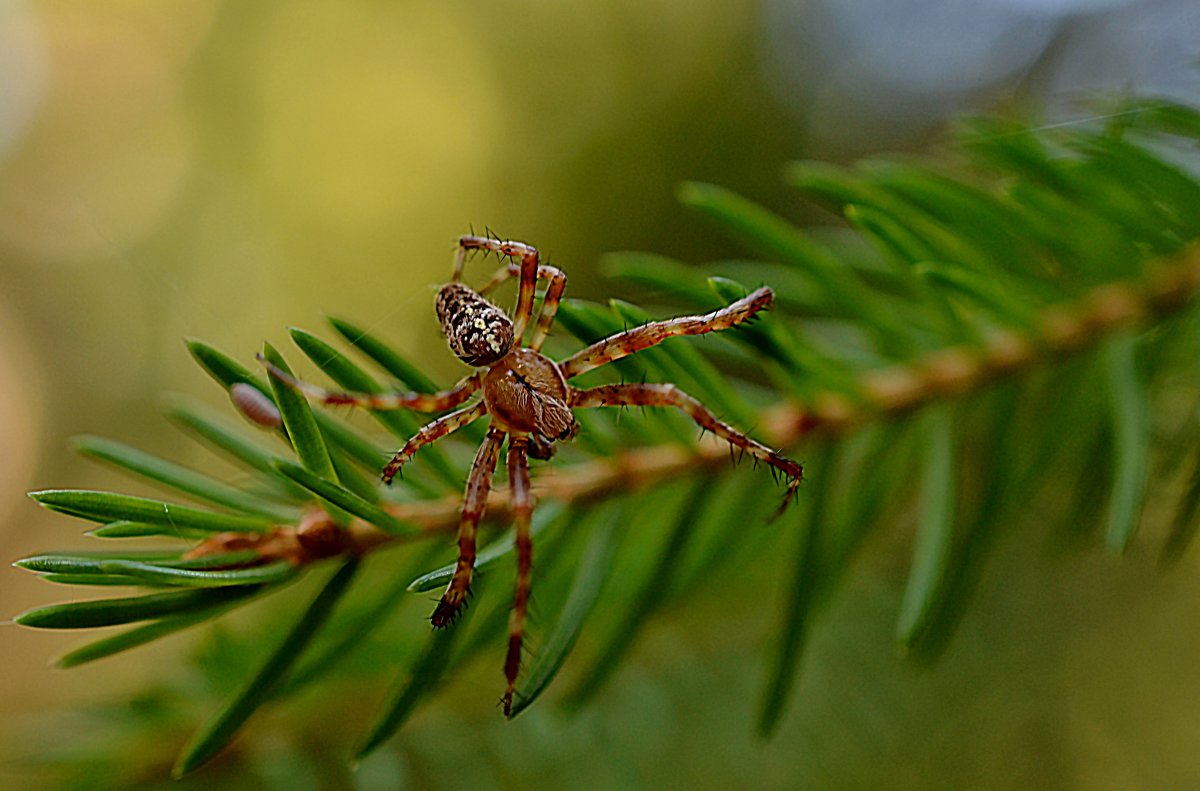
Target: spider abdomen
[{"x": 479, "y": 333}]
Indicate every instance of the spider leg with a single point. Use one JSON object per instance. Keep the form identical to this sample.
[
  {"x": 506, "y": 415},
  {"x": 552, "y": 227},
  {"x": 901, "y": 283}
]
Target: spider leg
[
  {"x": 528, "y": 256},
  {"x": 511, "y": 270},
  {"x": 671, "y": 396},
  {"x": 631, "y": 341},
  {"x": 522, "y": 508},
  {"x": 421, "y": 402},
  {"x": 479, "y": 483},
  {"x": 460, "y": 262},
  {"x": 554, "y": 291},
  {"x": 431, "y": 432}
]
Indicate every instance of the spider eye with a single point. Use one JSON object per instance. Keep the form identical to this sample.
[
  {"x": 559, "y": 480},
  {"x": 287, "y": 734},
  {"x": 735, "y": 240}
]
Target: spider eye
[{"x": 479, "y": 333}]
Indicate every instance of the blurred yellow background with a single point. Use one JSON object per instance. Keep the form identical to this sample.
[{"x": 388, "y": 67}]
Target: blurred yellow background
[{"x": 224, "y": 170}]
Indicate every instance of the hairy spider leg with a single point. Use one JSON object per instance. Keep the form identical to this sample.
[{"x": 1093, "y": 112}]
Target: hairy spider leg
[
  {"x": 522, "y": 509},
  {"x": 668, "y": 395},
  {"x": 379, "y": 402},
  {"x": 554, "y": 291},
  {"x": 528, "y": 256},
  {"x": 479, "y": 483},
  {"x": 460, "y": 263},
  {"x": 634, "y": 340},
  {"x": 511, "y": 270},
  {"x": 431, "y": 432}
]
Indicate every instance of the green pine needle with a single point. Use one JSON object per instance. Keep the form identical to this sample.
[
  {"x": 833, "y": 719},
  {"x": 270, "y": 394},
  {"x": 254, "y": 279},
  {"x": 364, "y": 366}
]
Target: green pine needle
[
  {"x": 346, "y": 500},
  {"x": 219, "y": 730},
  {"x": 108, "y": 507}
]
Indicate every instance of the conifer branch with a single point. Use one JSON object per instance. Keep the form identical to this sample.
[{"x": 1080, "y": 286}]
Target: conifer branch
[{"x": 950, "y": 373}]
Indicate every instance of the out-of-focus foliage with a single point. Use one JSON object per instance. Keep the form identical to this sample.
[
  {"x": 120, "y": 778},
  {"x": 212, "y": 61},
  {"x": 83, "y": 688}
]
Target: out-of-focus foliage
[{"x": 1058, "y": 263}]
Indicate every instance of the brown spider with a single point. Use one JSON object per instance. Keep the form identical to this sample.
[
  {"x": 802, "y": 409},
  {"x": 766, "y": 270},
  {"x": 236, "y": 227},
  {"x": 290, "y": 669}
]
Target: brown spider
[{"x": 529, "y": 400}]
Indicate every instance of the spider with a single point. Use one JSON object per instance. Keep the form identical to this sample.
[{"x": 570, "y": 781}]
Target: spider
[{"x": 530, "y": 402}]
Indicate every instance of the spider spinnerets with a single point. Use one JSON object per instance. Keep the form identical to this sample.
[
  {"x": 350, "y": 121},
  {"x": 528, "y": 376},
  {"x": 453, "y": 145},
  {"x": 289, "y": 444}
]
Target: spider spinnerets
[{"x": 529, "y": 401}]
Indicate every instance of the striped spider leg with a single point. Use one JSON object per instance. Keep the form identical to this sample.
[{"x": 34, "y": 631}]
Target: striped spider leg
[
  {"x": 634, "y": 340},
  {"x": 554, "y": 292},
  {"x": 528, "y": 256},
  {"x": 522, "y": 511},
  {"x": 668, "y": 395},
  {"x": 479, "y": 483},
  {"x": 527, "y": 399},
  {"x": 382, "y": 402},
  {"x": 631, "y": 341}
]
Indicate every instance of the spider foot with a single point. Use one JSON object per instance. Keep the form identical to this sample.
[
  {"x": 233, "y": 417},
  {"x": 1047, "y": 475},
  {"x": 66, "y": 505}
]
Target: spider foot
[
  {"x": 392, "y": 469},
  {"x": 512, "y": 665},
  {"x": 791, "y": 495},
  {"x": 278, "y": 373},
  {"x": 310, "y": 391},
  {"x": 448, "y": 610}
]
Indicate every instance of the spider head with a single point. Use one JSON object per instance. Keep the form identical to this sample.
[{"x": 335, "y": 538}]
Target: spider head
[{"x": 479, "y": 333}]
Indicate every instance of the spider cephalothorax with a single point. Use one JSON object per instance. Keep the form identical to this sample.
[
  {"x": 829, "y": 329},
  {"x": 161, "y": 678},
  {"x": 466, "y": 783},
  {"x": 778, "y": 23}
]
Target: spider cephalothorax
[
  {"x": 526, "y": 393},
  {"x": 529, "y": 401}
]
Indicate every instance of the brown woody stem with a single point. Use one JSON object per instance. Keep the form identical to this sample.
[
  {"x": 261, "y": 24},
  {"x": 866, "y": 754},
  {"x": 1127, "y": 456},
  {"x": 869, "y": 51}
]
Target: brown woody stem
[{"x": 1066, "y": 329}]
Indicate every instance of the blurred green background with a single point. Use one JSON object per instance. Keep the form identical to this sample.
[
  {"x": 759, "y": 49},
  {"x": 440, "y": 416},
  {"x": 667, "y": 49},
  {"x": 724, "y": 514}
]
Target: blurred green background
[{"x": 226, "y": 169}]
